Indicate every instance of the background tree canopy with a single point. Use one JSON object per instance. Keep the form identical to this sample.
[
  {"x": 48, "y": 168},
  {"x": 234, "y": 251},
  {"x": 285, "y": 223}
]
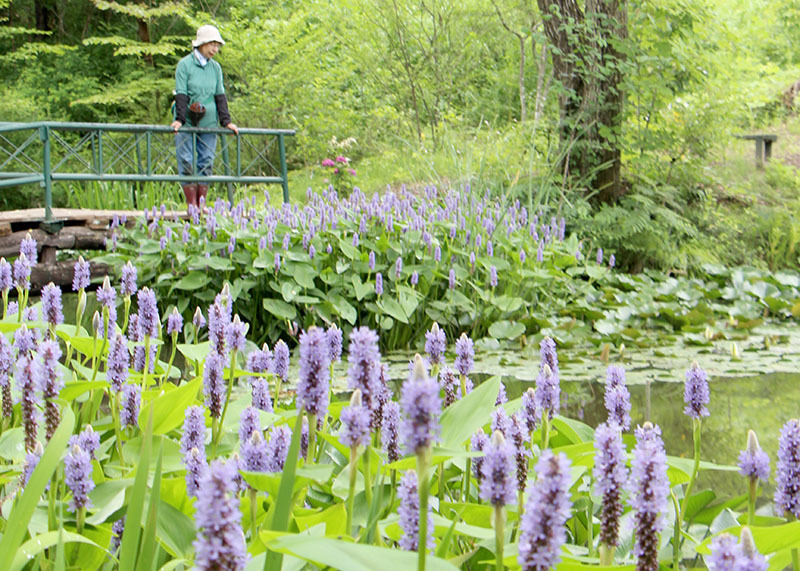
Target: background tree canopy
[{"x": 604, "y": 109}]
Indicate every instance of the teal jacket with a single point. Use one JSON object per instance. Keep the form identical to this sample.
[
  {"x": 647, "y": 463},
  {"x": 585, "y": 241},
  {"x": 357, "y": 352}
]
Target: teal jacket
[{"x": 200, "y": 84}]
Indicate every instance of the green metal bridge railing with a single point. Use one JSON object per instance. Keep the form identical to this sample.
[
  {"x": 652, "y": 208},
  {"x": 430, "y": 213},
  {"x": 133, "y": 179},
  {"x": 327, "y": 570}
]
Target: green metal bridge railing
[{"x": 131, "y": 153}]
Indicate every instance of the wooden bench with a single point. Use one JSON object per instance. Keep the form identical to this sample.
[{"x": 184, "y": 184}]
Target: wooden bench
[{"x": 763, "y": 146}]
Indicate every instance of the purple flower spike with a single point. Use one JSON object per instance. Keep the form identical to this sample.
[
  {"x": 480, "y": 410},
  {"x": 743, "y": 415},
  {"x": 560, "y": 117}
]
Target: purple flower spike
[
  {"x": 414, "y": 278},
  {"x": 390, "y": 424},
  {"x": 128, "y": 282},
  {"x": 249, "y": 423},
  {"x": 220, "y": 541},
  {"x": 727, "y": 555},
  {"x": 548, "y": 355},
  {"x": 548, "y": 392},
  {"x": 196, "y": 467},
  {"x": 6, "y": 363},
  {"x": 610, "y": 475},
  {"x": 278, "y": 447},
  {"x": 364, "y": 371},
  {"x": 78, "y": 477},
  {"x": 117, "y": 529},
  {"x": 148, "y": 313},
  {"x": 379, "y": 284},
  {"x": 6, "y": 279},
  {"x": 695, "y": 393},
  {"x": 371, "y": 260},
  {"x": 22, "y": 272},
  {"x": 31, "y": 461},
  {"x": 754, "y": 462},
  {"x": 194, "y": 430},
  {"x": 80, "y": 276},
  {"x": 530, "y": 413},
  {"x": 421, "y": 410},
  {"x": 119, "y": 360},
  {"x": 465, "y": 355},
  {"x": 261, "y": 396},
  {"x": 28, "y": 376},
  {"x": 612, "y": 261},
  {"x": 452, "y": 279},
  {"x": 51, "y": 304},
  {"x": 280, "y": 360},
  {"x": 498, "y": 482},
  {"x": 214, "y": 383},
  {"x": 398, "y": 268},
  {"x": 174, "y": 322},
  {"x": 519, "y": 437},
  {"x": 408, "y": 493},
  {"x": 617, "y": 398},
  {"x": 52, "y": 383},
  {"x": 493, "y": 276},
  {"x": 28, "y": 247},
  {"x": 451, "y": 387},
  {"x": 543, "y": 525},
  {"x": 787, "y": 475},
  {"x": 24, "y": 340},
  {"x": 313, "y": 388},
  {"x": 198, "y": 320},
  {"x": 255, "y": 453},
  {"x": 88, "y": 440},
  {"x": 478, "y": 443},
  {"x": 235, "y": 333},
  {"x": 129, "y": 403},
  {"x": 435, "y": 344},
  {"x": 355, "y": 423},
  {"x": 334, "y": 343},
  {"x": 649, "y": 489}
]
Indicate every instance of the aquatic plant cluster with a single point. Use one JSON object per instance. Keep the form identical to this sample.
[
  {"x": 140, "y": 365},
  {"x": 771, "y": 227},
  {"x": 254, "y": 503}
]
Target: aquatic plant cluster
[
  {"x": 230, "y": 462},
  {"x": 394, "y": 262}
]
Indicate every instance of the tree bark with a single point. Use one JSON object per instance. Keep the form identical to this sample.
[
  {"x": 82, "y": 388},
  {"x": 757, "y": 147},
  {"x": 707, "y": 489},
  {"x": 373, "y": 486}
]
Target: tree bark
[{"x": 586, "y": 61}]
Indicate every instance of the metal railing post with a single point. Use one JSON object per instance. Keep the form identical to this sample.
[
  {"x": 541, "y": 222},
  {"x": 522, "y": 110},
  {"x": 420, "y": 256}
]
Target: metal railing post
[
  {"x": 284, "y": 173},
  {"x": 100, "y": 166},
  {"x": 44, "y": 135},
  {"x": 226, "y": 161}
]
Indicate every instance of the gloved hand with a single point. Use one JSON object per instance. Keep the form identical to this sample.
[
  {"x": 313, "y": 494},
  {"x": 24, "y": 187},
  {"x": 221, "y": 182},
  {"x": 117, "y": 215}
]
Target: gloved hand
[{"x": 196, "y": 112}]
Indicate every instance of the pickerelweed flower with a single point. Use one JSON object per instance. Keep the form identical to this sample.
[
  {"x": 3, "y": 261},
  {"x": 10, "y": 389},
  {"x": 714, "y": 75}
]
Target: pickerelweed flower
[
  {"x": 117, "y": 529},
  {"x": 787, "y": 473},
  {"x": 451, "y": 280},
  {"x": 610, "y": 475},
  {"x": 235, "y": 333},
  {"x": 196, "y": 466},
  {"x": 435, "y": 344},
  {"x": 278, "y": 447},
  {"x": 129, "y": 403},
  {"x": 80, "y": 276},
  {"x": 31, "y": 461},
  {"x": 617, "y": 397},
  {"x": 6, "y": 279},
  {"x": 437, "y": 254},
  {"x": 478, "y": 443},
  {"x": 22, "y": 272},
  {"x": 355, "y": 420},
  {"x": 6, "y": 363},
  {"x": 451, "y": 387},
  {"x": 548, "y": 392},
  {"x": 334, "y": 343},
  {"x": 128, "y": 285},
  {"x": 119, "y": 360},
  {"x": 261, "y": 398},
  {"x": 753, "y": 461},
  {"x": 249, "y": 423},
  {"x": 379, "y": 284},
  {"x": 421, "y": 408},
  {"x": 612, "y": 261},
  {"x": 390, "y": 424},
  {"x": 78, "y": 477},
  {"x": 255, "y": 453},
  {"x": 88, "y": 440},
  {"x": 198, "y": 320},
  {"x": 52, "y": 383},
  {"x": 530, "y": 413},
  {"x": 52, "y": 307},
  {"x": 398, "y": 268},
  {"x": 28, "y": 376},
  {"x": 498, "y": 481},
  {"x": 543, "y": 525},
  {"x": 501, "y": 422},
  {"x": 465, "y": 355},
  {"x": 148, "y": 313},
  {"x": 548, "y": 355},
  {"x": 107, "y": 297},
  {"x": 408, "y": 510},
  {"x": 727, "y": 555},
  {"x": 220, "y": 541},
  {"x": 218, "y": 320},
  {"x": 519, "y": 437},
  {"x": 649, "y": 490},
  {"x": 313, "y": 387},
  {"x": 194, "y": 430},
  {"x": 493, "y": 276},
  {"x": 174, "y": 322},
  {"x": 364, "y": 371},
  {"x": 502, "y": 397},
  {"x": 695, "y": 392},
  {"x": 280, "y": 360},
  {"x": 214, "y": 383},
  {"x": 24, "y": 340},
  {"x": 371, "y": 261}
]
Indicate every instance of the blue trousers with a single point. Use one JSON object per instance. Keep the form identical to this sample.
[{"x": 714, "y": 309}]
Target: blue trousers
[{"x": 204, "y": 144}]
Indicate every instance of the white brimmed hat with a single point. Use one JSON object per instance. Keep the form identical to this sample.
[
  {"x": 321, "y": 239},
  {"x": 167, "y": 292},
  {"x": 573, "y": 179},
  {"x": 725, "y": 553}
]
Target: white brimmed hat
[{"x": 206, "y": 34}]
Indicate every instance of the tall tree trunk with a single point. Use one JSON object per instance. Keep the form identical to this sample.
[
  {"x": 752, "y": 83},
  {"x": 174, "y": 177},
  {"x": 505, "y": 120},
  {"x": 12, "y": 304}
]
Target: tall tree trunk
[
  {"x": 144, "y": 36},
  {"x": 43, "y": 12},
  {"x": 586, "y": 61}
]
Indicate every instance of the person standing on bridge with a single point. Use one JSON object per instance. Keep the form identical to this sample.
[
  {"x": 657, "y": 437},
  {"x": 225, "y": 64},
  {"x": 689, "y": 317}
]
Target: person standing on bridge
[{"x": 200, "y": 99}]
